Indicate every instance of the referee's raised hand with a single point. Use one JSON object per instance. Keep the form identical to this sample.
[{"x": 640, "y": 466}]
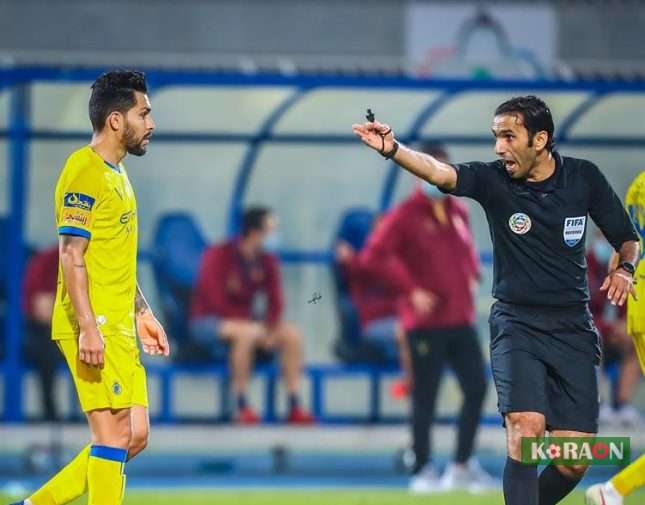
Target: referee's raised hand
[
  {"x": 377, "y": 135},
  {"x": 619, "y": 284}
]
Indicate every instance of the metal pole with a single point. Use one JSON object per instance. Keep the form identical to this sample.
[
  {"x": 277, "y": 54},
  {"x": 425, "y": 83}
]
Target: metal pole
[{"x": 17, "y": 162}]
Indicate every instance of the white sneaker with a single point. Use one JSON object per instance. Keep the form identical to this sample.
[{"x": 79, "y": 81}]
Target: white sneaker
[
  {"x": 470, "y": 477},
  {"x": 603, "y": 494},
  {"x": 425, "y": 482},
  {"x": 455, "y": 477},
  {"x": 629, "y": 416},
  {"x": 606, "y": 415},
  {"x": 480, "y": 480}
]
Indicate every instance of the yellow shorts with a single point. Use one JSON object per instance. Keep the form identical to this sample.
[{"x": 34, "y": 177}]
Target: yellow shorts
[
  {"x": 639, "y": 344},
  {"x": 120, "y": 384}
]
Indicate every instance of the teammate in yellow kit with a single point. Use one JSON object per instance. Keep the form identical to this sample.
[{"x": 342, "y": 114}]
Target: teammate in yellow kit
[
  {"x": 631, "y": 478},
  {"x": 98, "y": 302}
]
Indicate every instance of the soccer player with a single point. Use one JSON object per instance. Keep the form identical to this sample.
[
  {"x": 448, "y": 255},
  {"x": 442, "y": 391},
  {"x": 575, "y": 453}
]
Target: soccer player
[
  {"x": 544, "y": 346},
  {"x": 98, "y": 302},
  {"x": 631, "y": 478}
]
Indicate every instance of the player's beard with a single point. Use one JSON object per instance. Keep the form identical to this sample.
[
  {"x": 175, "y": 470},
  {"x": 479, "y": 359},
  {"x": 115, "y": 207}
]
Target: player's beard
[{"x": 133, "y": 145}]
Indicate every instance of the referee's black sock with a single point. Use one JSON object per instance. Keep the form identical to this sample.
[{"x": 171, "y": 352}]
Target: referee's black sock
[
  {"x": 554, "y": 486},
  {"x": 520, "y": 483}
]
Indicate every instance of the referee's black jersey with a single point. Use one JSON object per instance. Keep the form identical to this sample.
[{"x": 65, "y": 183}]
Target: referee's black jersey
[{"x": 538, "y": 228}]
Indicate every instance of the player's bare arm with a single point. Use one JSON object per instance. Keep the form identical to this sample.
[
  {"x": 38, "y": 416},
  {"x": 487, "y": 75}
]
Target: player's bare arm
[
  {"x": 72, "y": 258},
  {"x": 151, "y": 334},
  {"x": 380, "y": 137},
  {"x": 620, "y": 282}
]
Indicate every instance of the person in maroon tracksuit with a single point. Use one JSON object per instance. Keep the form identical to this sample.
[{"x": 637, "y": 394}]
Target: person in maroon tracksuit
[
  {"x": 617, "y": 344},
  {"x": 238, "y": 303},
  {"x": 424, "y": 248},
  {"x": 39, "y": 293},
  {"x": 376, "y": 303}
]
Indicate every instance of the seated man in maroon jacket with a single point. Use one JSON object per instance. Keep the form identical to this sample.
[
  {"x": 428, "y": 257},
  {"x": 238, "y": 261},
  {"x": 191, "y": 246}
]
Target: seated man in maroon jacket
[
  {"x": 39, "y": 293},
  {"x": 237, "y": 308},
  {"x": 424, "y": 248},
  {"x": 377, "y": 305}
]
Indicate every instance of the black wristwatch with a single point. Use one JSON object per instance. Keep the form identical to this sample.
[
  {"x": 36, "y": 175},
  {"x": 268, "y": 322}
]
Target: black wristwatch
[{"x": 628, "y": 267}]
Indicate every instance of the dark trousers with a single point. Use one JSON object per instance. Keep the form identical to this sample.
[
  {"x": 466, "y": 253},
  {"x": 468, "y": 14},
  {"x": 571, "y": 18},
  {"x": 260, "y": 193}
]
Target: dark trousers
[
  {"x": 43, "y": 353},
  {"x": 431, "y": 350}
]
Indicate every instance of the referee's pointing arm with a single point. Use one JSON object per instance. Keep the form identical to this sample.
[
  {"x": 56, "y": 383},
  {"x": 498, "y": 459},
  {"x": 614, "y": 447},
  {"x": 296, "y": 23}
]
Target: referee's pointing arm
[{"x": 381, "y": 138}]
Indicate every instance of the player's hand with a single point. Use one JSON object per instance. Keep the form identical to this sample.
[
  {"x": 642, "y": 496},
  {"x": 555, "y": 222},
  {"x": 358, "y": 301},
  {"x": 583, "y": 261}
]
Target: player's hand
[
  {"x": 91, "y": 346},
  {"x": 152, "y": 335},
  {"x": 618, "y": 285},
  {"x": 423, "y": 301},
  {"x": 376, "y": 135}
]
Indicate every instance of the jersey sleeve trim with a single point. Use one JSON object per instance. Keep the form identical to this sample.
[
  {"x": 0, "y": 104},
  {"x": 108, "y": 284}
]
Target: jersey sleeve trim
[{"x": 72, "y": 230}]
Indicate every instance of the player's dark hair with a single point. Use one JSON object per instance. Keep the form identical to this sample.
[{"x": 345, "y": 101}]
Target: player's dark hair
[
  {"x": 254, "y": 218},
  {"x": 114, "y": 91},
  {"x": 535, "y": 114}
]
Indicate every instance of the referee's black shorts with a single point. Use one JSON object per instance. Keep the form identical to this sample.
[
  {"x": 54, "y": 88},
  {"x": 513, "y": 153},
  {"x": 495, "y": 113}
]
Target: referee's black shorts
[{"x": 545, "y": 360}]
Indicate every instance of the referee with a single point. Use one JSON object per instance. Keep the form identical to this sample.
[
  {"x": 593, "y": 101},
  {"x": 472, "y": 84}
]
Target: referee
[{"x": 544, "y": 346}]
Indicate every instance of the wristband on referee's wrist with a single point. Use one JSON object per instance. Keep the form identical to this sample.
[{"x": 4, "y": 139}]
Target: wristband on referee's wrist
[{"x": 390, "y": 154}]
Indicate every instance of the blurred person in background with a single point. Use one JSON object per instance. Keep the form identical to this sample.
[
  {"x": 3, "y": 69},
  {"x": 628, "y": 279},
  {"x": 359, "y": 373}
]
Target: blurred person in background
[
  {"x": 39, "y": 292},
  {"x": 377, "y": 305},
  {"x": 424, "y": 248},
  {"x": 632, "y": 477},
  {"x": 618, "y": 346},
  {"x": 237, "y": 311}
]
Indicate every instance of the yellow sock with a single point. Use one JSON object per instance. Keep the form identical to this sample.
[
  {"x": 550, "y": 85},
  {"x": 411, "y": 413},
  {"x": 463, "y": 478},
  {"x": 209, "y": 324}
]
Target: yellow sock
[
  {"x": 631, "y": 478},
  {"x": 105, "y": 478},
  {"x": 66, "y": 485}
]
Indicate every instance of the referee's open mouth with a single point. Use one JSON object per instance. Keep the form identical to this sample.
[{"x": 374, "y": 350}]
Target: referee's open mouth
[{"x": 510, "y": 165}]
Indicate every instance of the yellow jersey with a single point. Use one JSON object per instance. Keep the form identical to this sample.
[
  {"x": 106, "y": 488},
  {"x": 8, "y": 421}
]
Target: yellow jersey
[
  {"x": 635, "y": 204},
  {"x": 95, "y": 200}
]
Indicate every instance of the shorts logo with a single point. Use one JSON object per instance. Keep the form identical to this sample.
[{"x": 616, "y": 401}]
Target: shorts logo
[
  {"x": 78, "y": 201},
  {"x": 519, "y": 223},
  {"x": 116, "y": 388},
  {"x": 574, "y": 229}
]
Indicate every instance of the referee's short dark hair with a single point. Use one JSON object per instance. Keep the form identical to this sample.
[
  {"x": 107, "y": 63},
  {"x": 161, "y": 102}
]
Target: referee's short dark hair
[
  {"x": 114, "y": 91},
  {"x": 536, "y": 116},
  {"x": 253, "y": 219}
]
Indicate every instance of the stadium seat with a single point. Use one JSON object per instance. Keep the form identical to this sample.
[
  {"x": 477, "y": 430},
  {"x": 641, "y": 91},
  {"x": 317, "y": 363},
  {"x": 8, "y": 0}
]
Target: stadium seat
[
  {"x": 349, "y": 347},
  {"x": 179, "y": 245}
]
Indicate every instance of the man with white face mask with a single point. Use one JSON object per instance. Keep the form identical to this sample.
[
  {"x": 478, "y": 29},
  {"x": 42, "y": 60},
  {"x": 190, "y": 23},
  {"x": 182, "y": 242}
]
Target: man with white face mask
[
  {"x": 424, "y": 248},
  {"x": 237, "y": 310}
]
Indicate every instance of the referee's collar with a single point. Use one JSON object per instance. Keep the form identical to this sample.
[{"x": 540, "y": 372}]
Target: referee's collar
[
  {"x": 561, "y": 178},
  {"x": 558, "y": 179}
]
